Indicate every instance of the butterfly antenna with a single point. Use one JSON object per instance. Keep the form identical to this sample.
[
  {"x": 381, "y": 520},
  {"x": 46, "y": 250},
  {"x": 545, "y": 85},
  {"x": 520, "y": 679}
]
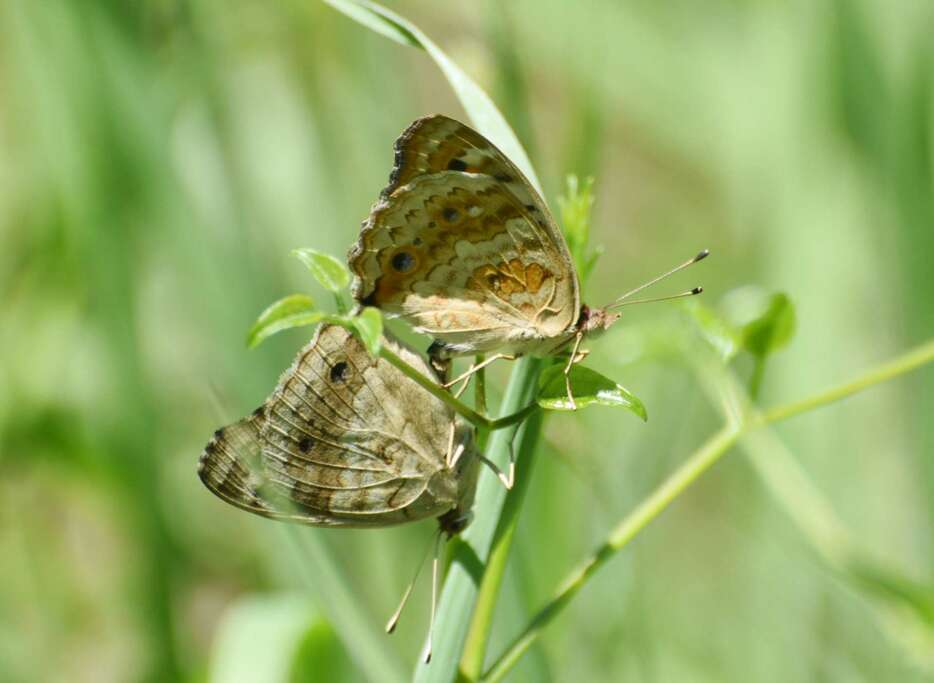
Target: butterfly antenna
[
  {"x": 682, "y": 295},
  {"x": 697, "y": 290},
  {"x": 394, "y": 619},
  {"x": 435, "y": 561}
]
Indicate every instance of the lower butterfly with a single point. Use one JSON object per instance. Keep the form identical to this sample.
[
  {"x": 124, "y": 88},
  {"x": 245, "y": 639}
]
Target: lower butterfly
[{"x": 347, "y": 440}]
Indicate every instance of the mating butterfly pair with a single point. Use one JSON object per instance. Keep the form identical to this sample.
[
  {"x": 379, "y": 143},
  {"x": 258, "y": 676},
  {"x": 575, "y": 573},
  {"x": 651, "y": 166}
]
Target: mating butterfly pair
[{"x": 462, "y": 247}]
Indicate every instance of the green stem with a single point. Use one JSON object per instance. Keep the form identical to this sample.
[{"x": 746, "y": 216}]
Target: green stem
[
  {"x": 471, "y": 415},
  {"x": 479, "y": 632},
  {"x": 755, "y": 382},
  {"x": 701, "y": 460},
  {"x": 472, "y": 549},
  {"x": 480, "y": 387},
  {"x": 905, "y": 363}
]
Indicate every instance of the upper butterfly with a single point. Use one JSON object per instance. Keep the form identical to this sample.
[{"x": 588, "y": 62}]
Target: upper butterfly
[{"x": 461, "y": 246}]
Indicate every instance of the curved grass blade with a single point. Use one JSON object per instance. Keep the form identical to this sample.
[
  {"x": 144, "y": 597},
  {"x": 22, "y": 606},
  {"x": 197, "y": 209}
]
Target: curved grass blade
[
  {"x": 471, "y": 552},
  {"x": 480, "y": 108}
]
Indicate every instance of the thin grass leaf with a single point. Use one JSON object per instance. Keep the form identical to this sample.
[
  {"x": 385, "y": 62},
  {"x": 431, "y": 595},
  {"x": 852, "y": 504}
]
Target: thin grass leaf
[
  {"x": 480, "y": 109},
  {"x": 589, "y": 388}
]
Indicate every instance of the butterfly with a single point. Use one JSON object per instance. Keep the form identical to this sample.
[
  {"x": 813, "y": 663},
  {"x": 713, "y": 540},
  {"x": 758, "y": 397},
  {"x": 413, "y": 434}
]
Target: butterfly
[
  {"x": 347, "y": 440},
  {"x": 462, "y": 247}
]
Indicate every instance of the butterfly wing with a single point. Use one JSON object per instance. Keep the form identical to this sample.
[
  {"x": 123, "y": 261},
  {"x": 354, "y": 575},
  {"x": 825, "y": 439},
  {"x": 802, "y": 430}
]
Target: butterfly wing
[
  {"x": 462, "y": 246},
  {"x": 345, "y": 440}
]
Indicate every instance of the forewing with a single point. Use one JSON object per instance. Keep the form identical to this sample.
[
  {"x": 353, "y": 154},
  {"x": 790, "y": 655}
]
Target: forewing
[
  {"x": 345, "y": 440},
  {"x": 461, "y": 258},
  {"x": 442, "y": 164}
]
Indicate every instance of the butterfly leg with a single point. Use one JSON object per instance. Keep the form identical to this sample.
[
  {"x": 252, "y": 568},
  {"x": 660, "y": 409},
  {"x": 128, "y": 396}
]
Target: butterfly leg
[
  {"x": 576, "y": 356},
  {"x": 506, "y": 479},
  {"x": 478, "y": 366},
  {"x": 440, "y": 358}
]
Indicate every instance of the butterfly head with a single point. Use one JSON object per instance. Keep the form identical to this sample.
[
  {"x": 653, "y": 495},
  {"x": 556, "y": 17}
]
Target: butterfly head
[{"x": 595, "y": 321}]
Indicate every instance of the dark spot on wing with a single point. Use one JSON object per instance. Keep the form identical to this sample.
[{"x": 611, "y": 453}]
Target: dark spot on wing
[
  {"x": 340, "y": 372},
  {"x": 456, "y": 165},
  {"x": 305, "y": 444},
  {"x": 450, "y": 214},
  {"x": 403, "y": 262},
  {"x": 503, "y": 177}
]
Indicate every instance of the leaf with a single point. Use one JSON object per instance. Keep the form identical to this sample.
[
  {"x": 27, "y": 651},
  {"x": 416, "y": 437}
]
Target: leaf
[
  {"x": 576, "y": 205},
  {"x": 291, "y": 311},
  {"x": 481, "y": 110},
  {"x": 716, "y": 331},
  {"x": 772, "y": 330},
  {"x": 589, "y": 387},
  {"x": 369, "y": 325},
  {"x": 330, "y": 273}
]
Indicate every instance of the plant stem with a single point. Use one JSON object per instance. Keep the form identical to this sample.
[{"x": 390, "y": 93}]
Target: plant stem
[
  {"x": 472, "y": 416},
  {"x": 472, "y": 549},
  {"x": 479, "y": 632},
  {"x": 755, "y": 382},
  {"x": 905, "y": 363},
  {"x": 701, "y": 460}
]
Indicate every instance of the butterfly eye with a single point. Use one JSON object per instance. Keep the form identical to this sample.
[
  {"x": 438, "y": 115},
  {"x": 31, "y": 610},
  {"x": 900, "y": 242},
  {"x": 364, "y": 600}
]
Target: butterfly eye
[
  {"x": 403, "y": 262},
  {"x": 339, "y": 372}
]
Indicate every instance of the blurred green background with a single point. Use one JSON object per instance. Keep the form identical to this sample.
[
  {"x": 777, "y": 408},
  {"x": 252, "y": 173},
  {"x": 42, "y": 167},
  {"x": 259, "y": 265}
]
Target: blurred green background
[{"x": 158, "y": 159}]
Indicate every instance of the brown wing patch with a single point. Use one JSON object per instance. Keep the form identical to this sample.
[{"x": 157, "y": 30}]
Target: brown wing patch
[
  {"x": 437, "y": 143},
  {"x": 508, "y": 278},
  {"x": 443, "y": 221}
]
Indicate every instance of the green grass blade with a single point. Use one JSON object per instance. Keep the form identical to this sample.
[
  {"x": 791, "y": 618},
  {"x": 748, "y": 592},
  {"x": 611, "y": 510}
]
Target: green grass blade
[
  {"x": 471, "y": 552},
  {"x": 480, "y": 108}
]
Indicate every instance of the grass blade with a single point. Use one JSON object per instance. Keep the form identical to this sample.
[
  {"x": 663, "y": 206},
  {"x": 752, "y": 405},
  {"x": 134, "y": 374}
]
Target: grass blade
[{"x": 480, "y": 108}]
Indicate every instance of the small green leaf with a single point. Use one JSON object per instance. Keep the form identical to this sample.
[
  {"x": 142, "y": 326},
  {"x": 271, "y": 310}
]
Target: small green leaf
[
  {"x": 722, "y": 336},
  {"x": 292, "y": 311},
  {"x": 772, "y": 330},
  {"x": 369, "y": 325},
  {"x": 589, "y": 387},
  {"x": 330, "y": 272},
  {"x": 576, "y": 205}
]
